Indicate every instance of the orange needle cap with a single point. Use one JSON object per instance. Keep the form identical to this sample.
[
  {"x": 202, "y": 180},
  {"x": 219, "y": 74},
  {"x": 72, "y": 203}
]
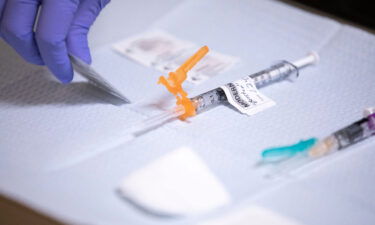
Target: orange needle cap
[{"x": 175, "y": 79}]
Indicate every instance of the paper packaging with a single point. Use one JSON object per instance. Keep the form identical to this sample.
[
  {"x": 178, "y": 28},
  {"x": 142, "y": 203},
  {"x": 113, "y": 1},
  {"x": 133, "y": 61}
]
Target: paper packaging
[
  {"x": 164, "y": 52},
  {"x": 96, "y": 79},
  {"x": 176, "y": 184}
]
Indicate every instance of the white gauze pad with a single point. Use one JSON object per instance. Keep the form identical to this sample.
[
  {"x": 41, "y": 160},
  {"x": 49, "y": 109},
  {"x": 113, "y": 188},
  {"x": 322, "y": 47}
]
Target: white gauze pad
[{"x": 176, "y": 184}]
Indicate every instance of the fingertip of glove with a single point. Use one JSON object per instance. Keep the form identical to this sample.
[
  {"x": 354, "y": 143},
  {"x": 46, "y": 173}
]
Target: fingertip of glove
[
  {"x": 65, "y": 79},
  {"x": 85, "y": 58}
]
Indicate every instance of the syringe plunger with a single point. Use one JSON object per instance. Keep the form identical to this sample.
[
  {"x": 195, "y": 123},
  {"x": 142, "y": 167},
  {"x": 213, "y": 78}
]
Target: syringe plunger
[{"x": 311, "y": 59}]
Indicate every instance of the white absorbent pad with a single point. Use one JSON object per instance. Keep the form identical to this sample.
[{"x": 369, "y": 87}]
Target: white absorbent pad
[{"x": 177, "y": 184}]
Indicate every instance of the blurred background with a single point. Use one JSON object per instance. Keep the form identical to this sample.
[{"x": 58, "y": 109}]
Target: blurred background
[{"x": 357, "y": 11}]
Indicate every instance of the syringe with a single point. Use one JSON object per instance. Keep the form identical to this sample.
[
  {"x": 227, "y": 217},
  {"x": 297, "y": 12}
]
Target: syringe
[
  {"x": 290, "y": 158},
  {"x": 276, "y": 73},
  {"x": 281, "y": 71},
  {"x": 347, "y": 136}
]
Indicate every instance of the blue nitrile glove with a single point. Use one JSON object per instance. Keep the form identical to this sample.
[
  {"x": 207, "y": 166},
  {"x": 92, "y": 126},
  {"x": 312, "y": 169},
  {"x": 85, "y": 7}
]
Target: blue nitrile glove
[{"x": 61, "y": 28}]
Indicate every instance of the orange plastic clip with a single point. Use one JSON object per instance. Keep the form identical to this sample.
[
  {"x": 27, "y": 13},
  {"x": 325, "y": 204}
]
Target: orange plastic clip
[{"x": 175, "y": 79}]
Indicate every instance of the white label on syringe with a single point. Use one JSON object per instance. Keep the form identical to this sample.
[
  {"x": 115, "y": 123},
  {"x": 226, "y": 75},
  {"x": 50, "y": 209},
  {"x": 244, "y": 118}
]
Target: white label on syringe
[{"x": 244, "y": 96}]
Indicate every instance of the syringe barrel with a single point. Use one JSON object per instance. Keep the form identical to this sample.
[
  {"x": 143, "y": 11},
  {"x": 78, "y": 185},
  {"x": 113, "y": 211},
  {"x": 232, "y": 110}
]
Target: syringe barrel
[
  {"x": 275, "y": 73},
  {"x": 284, "y": 70},
  {"x": 279, "y": 72},
  {"x": 209, "y": 99},
  {"x": 353, "y": 133}
]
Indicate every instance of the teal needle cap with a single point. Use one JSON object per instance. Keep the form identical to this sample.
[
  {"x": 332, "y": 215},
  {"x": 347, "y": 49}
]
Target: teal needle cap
[{"x": 281, "y": 153}]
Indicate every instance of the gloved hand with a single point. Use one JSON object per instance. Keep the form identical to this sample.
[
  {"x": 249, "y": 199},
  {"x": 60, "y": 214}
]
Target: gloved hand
[{"x": 61, "y": 28}]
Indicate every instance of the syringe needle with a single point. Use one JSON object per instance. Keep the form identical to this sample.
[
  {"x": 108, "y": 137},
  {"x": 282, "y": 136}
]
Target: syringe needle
[{"x": 156, "y": 121}]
